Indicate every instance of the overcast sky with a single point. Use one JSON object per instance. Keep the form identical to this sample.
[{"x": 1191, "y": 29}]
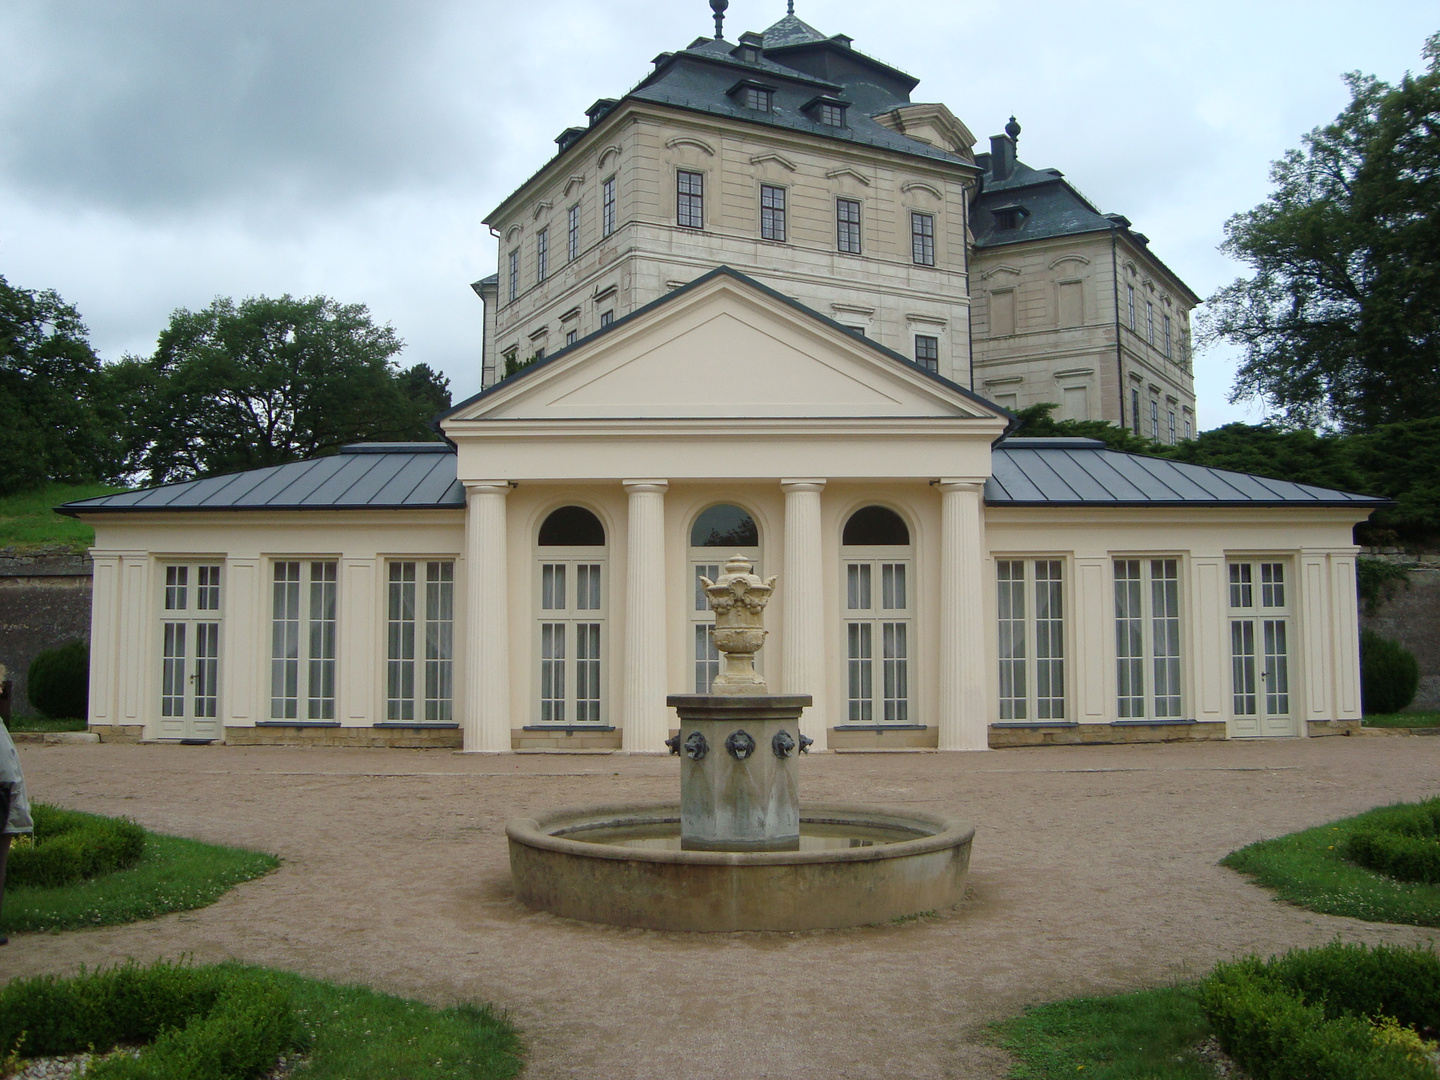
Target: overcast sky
[{"x": 155, "y": 154}]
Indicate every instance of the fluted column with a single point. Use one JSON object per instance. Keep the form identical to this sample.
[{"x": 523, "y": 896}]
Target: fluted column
[
  {"x": 644, "y": 717},
  {"x": 802, "y": 583},
  {"x": 964, "y": 712},
  {"x": 487, "y": 619}
]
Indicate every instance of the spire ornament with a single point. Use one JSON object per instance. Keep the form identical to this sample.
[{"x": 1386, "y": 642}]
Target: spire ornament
[
  {"x": 1013, "y": 130},
  {"x": 719, "y": 6},
  {"x": 790, "y": 8}
]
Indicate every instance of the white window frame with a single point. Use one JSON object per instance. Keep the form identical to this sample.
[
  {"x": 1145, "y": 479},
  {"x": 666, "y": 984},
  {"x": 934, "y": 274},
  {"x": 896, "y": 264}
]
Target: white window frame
[
  {"x": 571, "y": 638},
  {"x": 420, "y": 641},
  {"x": 1030, "y": 611},
  {"x": 1149, "y": 636},
  {"x": 880, "y": 645},
  {"x": 1260, "y": 595},
  {"x": 191, "y": 615},
  {"x": 304, "y": 635}
]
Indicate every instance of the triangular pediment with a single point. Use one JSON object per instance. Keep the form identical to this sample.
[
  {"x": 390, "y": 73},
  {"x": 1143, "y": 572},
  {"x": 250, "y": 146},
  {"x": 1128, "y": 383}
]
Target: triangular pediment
[{"x": 724, "y": 346}]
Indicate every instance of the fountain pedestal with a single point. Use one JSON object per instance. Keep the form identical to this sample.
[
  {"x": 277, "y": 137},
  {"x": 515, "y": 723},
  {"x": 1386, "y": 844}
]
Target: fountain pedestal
[{"x": 739, "y": 784}]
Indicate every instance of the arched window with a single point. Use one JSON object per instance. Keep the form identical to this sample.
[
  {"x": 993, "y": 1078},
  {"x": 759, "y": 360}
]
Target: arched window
[
  {"x": 571, "y": 616},
  {"x": 719, "y": 532},
  {"x": 879, "y": 605}
]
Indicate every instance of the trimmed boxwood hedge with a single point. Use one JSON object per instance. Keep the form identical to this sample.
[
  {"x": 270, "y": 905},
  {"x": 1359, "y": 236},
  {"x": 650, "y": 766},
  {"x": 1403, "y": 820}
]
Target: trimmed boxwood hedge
[
  {"x": 58, "y": 682},
  {"x": 1308, "y": 1015},
  {"x": 71, "y": 846},
  {"x": 195, "y": 1023},
  {"x": 1402, "y": 842},
  {"x": 1389, "y": 674}
]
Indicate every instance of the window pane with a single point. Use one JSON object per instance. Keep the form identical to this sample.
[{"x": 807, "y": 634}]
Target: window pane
[
  {"x": 400, "y": 643},
  {"x": 207, "y": 668},
  {"x": 847, "y": 224},
  {"x": 172, "y": 672},
  {"x": 285, "y": 642},
  {"x": 724, "y": 526},
  {"x": 175, "y": 579},
  {"x": 1165, "y": 625},
  {"x": 1242, "y": 666},
  {"x": 689, "y": 196},
  {"x": 922, "y": 238},
  {"x": 1272, "y": 585},
  {"x": 857, "y": 592},
  {"x": 439, "y": 642},
  {"x": 587, "y": 672},
  {"x": 897, "y": 689},
  {"x": 772, "y": 212},
  {"x": 1049, "y": 641},
  {"x": 552, "y": 671},
  {"x": 572, "y": 526},
  {"x": 1277, "y": 668},
  {"x": 873, "y": 526},
  {"x": 1241, "y": 595},
  {"x": 859, "y": 673}
]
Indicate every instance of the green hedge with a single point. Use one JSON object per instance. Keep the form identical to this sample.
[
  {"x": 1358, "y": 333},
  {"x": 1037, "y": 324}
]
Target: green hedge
[
  {"x": 1389, "y": 674},
  {"x": 1308, "y": 1015},
  {"x": 1402, "y": 842},
  {"x": 58, "y": 683},
  {"x": 70, "y": 846},
  {"x": 207, "y": 1023}
]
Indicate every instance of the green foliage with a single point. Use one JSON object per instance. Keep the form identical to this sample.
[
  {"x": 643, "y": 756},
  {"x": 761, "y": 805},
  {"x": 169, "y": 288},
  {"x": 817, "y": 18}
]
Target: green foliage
[
  {"x": 514, "y": 365},
  {"x": 1306, "y": 1015},
  {"x": 1340, "y": 321},
  {"x": 268, "y": 381},
  {"x": 215, "y": 1023},
  {"x": 1149, "y": 1035},
  {"x": 1389, "y": 674},
  {"x": 28, "y": 520},
  {"x": 43, "y": 724},
  {"x": 1402, "y": 842},
  {"x": 1376, "y": 581},
  {"x": 1310, "y": 868},
  {"x": 54, "y": 408},
  {"x": 69, "y": 846},
  {"x": 1403, "y": 720},
  {"x": 1037, "y": 421},
  {"x": 59, "y": 681},
  {"x": 230, "y": 1020},
  {"x": 173, "y": 874}
]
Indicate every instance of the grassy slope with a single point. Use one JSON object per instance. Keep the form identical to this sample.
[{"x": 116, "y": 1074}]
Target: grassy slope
[
  {"x": 27, "y": 521},
  {"x": 1306, "y": 868},
  {"x": 1403, "y": 719},
  {"x": 174, "y": 874},
  {"x": 43, "y": 723}
]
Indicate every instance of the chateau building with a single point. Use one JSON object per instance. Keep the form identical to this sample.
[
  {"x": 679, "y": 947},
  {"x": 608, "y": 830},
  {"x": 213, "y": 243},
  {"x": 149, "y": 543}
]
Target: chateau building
[{"x": 772, "y": 307}]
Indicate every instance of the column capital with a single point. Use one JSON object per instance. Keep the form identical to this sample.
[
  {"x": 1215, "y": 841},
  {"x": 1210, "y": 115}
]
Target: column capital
[
  {"x": 487, "y": 487},
  {"x": 956, "y": 483},
  {"x": 805, "y": 484},
  {"x": 658, "y": 487}
]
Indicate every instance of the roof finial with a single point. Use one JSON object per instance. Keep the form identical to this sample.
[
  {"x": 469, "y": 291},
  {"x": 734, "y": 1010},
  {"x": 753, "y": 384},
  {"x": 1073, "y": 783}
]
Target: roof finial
[
  {"x": 790, "y": 8},
  {"x": 719, "y": 6},
  {"x": 1013, "y": 130}
]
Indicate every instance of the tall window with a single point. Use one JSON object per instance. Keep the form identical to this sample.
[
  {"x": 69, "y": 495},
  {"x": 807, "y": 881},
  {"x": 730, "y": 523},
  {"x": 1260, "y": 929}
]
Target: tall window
[
  {"x": 542, "y": 254},
  {"x": 420, "y": 634},
  {"x": 1150, "y": 323},
  {"x": 927, "y": 351},
  {"x": 190, "y": 659},
  {"x": 1173, "y": 439},
  {"x": 514, "y": 274},
  {"x": 302, "y": 641},
  {"x": 847, "y": 225},
  {"x": 1165, "y": 319},
  {"x": 1147, "y": 638},
  {"x": 1135, "y": 408},
  {"x": 1154, "y": 419},
  {"x": 772, "y": 212},
  {"x": 572, "y": 233},
  {"x": 879, "y": 606},
  {"x": 1032, "y": 639},
  {"x": 1130, "y": 301},
  {"x": 690, "y": 199},
  {"x": 922, "y": 238},
  {"x": 718, "y": 533},
  {"x": 571, "y": 555},
  {"x": 607, "y": 207},
  {"x": 1187, "y": 423},
  {"x": 1260, "y": 648}
]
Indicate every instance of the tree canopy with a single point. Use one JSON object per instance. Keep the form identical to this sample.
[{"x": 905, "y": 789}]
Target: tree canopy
[
  {"x": 270, "y": 380},
  {"x": 53, "y": 419},
  {"x": 1340, "y": 321}
]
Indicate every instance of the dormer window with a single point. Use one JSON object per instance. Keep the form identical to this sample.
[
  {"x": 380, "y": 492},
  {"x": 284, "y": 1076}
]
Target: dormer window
[
  {"x": 753, "y": 95},
  {"x": 1009, "y": 217},
  {"x": 827, "y": 111}
]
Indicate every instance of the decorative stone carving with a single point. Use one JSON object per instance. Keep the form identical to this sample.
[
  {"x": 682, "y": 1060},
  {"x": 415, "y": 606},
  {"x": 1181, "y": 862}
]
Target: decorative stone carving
[
  {"x": 805, "y": 744},
  {"x": 673, "y": 742},
  {"x": 695, "y": 746},
  {"x": 782, "y": 744},
  {"x": 740, "y": 745},
  {"x": 738, "y": 599}
]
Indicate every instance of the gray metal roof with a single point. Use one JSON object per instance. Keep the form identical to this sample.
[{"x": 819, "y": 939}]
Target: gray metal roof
[
  {"x": 365, "y": 476},
  {"x": 1084, "y": 472}
]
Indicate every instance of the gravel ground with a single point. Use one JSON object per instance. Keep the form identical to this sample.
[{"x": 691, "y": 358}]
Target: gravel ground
[{"x": 1094, "y": 871}]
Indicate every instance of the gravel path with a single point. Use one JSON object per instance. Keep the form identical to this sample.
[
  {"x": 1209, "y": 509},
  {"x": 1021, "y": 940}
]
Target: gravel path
[{"x": 1094, "y": 871}]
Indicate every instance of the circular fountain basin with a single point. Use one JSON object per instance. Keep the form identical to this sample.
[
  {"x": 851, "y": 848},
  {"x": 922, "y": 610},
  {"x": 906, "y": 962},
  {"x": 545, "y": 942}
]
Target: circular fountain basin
[{"x": 623, "y": 865}]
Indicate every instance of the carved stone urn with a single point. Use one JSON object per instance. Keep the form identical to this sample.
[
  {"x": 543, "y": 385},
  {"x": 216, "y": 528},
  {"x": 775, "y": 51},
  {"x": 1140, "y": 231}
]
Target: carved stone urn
[{"x": 738, "y": 599}]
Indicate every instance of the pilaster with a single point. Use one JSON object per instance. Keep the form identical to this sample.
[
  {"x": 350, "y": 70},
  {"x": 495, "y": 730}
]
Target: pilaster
[
  {"x": 802, "y": 652},
  {"x": 644, "y": 716},
  {"x": 487, "y": 624},
  {"x": 964, "y": 702}
]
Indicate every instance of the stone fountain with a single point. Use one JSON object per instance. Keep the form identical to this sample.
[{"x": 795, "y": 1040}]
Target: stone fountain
[{"x": 738, "y": 853}]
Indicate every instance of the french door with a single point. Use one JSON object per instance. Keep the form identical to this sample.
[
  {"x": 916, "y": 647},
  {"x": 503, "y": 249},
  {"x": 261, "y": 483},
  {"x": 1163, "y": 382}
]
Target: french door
[
  {"x": 1260, "y": 650},
  {"x": 190, "y": 653},
  {"x": 877, "y": 641},
  {"x": 571, "y": 625}
]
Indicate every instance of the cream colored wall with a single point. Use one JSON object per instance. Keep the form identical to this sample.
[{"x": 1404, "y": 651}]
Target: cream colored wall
[
  {"x": 128, "y": 597},
  {"x": 881, "y": 289}
]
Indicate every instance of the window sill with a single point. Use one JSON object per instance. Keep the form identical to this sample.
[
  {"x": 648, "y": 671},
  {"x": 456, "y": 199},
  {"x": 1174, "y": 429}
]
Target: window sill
[
  {"x": 879, "y": 727},
  {"x": 403, "y": 724},
  {"x": 1148, "y": 723},
  {"x": 297, "y": 723},
  {"x": 1034, "y": 723},
  {"x": 567, "y": 727}
]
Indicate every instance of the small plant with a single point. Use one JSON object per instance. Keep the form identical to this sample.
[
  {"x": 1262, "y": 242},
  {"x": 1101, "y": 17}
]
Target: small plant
[
  {"x": 68, "y": 847},
  {"x": 1389, "y": 674},
  {"x": 59, "y": 681}
]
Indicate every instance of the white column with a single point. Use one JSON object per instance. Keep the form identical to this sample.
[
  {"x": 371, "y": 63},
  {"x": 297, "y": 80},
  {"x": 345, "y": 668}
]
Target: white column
[
  {"x": 802, "y": 583},
  {"x": 487, "y": 619},
  {"x": 964, "y": 701},
  {"x": 644, "y": 718}
]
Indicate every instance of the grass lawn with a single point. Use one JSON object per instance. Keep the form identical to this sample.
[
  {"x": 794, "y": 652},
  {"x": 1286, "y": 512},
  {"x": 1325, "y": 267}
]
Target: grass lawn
[
  {"x": 174, "y": 874},
  {"x": 27, "y": 520},
  {"x": 1402, "y": 719},
  {"x": 1147, "y": 1035},
  {"x": 1307, "y": 868},
  {"x": 43, "y": 723}
]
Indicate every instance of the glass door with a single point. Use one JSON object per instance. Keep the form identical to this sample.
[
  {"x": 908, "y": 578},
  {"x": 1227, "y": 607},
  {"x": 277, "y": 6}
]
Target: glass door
[
  {"x": 190, "y": 653},
  {"x": 1260, "y": 650}
]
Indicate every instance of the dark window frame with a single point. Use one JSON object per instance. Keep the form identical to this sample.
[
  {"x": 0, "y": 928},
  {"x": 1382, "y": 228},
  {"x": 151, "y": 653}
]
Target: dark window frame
[
  {"x": 689, "y": 199},
  {"x": 848, "y": 235},
  {"x": 927, "y": 352},
  {"x": 922, "y": 238},
  {"x": 542, "y": 255},
  {"x": 572, "y": 232},
  {"x": 607, "y": 206},
  {"x": 772, "y": 213}
]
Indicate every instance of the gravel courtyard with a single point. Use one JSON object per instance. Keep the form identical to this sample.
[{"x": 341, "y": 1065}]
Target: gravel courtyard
[{"x": 1093, "y": 871}]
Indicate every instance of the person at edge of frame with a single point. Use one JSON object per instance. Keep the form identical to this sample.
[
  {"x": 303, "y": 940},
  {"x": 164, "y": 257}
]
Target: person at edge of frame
[{"x": 14, "y": 807}]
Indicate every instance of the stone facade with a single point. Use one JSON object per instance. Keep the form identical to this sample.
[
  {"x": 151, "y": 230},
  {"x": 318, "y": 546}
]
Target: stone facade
[{"x": 1411, "y": 616}]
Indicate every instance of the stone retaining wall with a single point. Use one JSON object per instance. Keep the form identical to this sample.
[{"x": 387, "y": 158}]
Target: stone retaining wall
[
  {"x": 1411, "y": 616},
  {"x": 44, "y": 603}
]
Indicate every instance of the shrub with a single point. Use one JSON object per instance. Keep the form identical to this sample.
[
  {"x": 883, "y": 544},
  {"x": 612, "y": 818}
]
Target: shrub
[
  {"x": 59, "y": 681},
  {"x": 1389, "y": 674},
  {"x": 1325, "y": 1014},
  {"x": 70, "y": 846},
  {"x": 209, "y": 1023},
  {"x": 1402, "y": 842}
]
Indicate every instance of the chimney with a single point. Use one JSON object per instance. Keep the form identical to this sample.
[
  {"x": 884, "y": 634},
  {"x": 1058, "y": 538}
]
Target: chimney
[{"x": 1002, "y": 157}]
